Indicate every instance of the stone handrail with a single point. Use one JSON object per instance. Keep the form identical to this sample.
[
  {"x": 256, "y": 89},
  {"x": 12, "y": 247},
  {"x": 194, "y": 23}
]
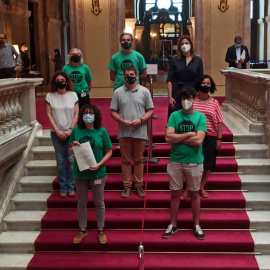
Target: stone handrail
[
  {"x": 247, "y": 92},
  {"x": 17, "y": 103}
]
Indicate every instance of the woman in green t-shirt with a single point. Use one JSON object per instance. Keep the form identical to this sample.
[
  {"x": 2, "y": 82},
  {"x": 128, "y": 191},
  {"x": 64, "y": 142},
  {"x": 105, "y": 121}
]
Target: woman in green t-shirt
[{"x": 89, "y": 130}]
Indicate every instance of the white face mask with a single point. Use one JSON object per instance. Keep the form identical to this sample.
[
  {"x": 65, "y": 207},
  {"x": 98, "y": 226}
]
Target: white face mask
[
  {"x": 185, "y": 48},
  {"x": 26, "y": 48},
  {"x": 187, "y": 104}
]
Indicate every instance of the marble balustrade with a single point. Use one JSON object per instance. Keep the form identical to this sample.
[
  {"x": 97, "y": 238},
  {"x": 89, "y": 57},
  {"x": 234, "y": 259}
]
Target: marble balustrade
[{"x": 17, "y": 104}]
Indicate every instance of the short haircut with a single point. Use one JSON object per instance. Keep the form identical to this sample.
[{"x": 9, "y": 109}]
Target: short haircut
[
  {"x": 124, "y": 33},
  {"x": 52, "y": 85},
  {"x": 187, "y": 91},
  {"x": 199, "y": 82},
  {"x": 23, "y": 43},
  {"x": 97, "y": 113},
  {"x": 179, "y": 51},
  {"x": 130, "y": 68},
  {"x": 5, "y": 36},
  {"x": 56, "y": 51},
  {"x": 237, "y": 38}
]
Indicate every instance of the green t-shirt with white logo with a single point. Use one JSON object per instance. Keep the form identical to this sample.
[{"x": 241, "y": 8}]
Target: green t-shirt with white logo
[
  {"x": 99, "y": 140},
  {"x": 183, "y": 123},
  {"x": 80, "y": 76},
  {"x": 120, "y": 61}
]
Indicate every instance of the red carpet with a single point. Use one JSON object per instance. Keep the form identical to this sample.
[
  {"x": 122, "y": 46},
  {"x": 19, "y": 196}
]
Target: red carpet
[{"x": 223, "y": 218}]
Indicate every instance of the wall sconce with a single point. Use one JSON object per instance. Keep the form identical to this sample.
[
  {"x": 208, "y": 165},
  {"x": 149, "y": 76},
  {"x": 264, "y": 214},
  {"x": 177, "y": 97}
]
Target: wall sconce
[
  {"x": 96, "y": 7},
  {"x": 223, "y": 5}
]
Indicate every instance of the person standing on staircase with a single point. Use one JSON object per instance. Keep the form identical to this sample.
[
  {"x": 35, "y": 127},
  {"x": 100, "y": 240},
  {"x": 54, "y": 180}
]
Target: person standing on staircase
[
  {"x": 90, "y": 130},
  {"x": 209, "y": 106},
  {"x": 185, "y": 131},
  {"x": 62, "y": 112},
  {"x": 131, "y": 107}
]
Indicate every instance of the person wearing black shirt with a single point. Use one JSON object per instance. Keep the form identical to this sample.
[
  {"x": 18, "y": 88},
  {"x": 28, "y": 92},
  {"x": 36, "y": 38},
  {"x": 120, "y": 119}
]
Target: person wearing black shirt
[
  {"x": 185, "y": 69},
  {"x": 25, "y": 61}
]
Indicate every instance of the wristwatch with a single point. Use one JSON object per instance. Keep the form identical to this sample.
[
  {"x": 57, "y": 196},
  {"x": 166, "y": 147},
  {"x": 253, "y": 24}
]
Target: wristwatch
[{"x": 142, "y": 120}]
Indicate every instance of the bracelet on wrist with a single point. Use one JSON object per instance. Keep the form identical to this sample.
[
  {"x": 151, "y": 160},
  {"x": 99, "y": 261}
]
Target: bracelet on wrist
[
  {"x": 99, "y": 164},
  {"x": 219, "y": 139}
]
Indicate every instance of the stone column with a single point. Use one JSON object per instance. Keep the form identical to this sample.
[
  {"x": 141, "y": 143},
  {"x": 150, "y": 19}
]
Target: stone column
[{"x": 1, "y": 17}]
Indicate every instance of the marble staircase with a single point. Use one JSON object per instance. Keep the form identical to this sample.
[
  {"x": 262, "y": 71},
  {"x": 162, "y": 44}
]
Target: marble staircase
[{"x": 22, "y": 224}]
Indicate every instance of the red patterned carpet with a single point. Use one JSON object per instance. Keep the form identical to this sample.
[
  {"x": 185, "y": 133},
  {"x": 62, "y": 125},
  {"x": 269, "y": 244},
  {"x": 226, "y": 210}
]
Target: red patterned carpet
[{"x": 228, "y": 243}]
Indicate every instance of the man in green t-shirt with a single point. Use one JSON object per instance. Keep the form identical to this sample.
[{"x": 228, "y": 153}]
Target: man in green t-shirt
[
  {"x": 125, "y": 58},
  {"x": 185, "y": 131}
]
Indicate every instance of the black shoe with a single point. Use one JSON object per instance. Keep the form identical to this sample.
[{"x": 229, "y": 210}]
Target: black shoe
[
  {"x": 199, "y": 233},
  {"x": 170, "y": 231}
]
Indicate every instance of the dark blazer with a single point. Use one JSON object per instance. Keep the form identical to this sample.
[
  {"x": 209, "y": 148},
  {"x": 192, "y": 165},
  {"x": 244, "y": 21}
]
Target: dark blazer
[{"x": 231, "y": 56}]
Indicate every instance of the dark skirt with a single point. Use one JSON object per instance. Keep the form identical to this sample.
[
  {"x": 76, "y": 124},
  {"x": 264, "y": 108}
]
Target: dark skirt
[{"x": 210, "y": 153}]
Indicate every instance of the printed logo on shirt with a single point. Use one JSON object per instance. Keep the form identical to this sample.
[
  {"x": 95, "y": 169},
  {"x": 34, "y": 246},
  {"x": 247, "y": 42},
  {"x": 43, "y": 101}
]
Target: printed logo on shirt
[
  {"x": 126, "y": 63},
  {"x": 88, "y": 139},
  {"x": 185, "y": 126},
  {"x": 76, "y": 76}
]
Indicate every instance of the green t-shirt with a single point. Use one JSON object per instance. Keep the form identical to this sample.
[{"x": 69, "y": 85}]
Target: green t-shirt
[
  {"x": 121, "y": 60},
  {"x": 183, "y": 123},
  {"x": 80, "y": 75},
  {"x": 99, "y": 140}
]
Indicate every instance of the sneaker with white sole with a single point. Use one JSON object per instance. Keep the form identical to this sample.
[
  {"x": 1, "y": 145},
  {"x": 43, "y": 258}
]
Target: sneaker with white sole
[
  {"x": 170, "y": 231},
  {"x": 199, "y": 233}
]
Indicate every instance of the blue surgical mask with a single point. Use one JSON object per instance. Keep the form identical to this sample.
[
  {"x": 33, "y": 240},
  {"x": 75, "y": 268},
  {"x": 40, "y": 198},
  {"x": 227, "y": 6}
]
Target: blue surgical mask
[
  {"x": 88, "y": 118},
  {"x": 238, "y": 45}
]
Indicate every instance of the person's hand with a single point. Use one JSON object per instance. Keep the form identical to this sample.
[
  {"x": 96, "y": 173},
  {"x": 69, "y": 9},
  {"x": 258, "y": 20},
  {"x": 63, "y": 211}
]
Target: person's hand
[
  {"x": 68, "y": 132},
  {"x": 192, "y": 133},
  {"x": 16, "y": 68},
  {"x": 236, "y": 62},
  {"x": 94, "y": 168},
  {"x": 61, "y": 135},
  {"x": 172, "y": 103},
  {"x": 136, "y": 122},
  {"x": 242, "y": 61},
  {"x": 75, "y": 143},
  {"x": 218, "y": 144},
  {"x": 126, "y": 123}
]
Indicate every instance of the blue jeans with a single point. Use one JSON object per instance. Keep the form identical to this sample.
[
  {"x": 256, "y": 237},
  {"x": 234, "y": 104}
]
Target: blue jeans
[{"x": 64, "y": 163}]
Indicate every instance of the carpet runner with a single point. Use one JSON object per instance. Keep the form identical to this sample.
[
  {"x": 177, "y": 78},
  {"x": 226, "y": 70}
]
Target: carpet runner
[{"x": 228, "y": 243}]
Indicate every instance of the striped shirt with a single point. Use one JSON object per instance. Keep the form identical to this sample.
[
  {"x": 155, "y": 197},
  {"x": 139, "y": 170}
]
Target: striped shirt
[{"x": 213, "y": 115}]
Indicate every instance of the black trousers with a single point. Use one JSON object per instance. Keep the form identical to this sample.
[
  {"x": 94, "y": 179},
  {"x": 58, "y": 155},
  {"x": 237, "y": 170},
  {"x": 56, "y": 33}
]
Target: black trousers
[
  {"x": 83, "y": 100},
  {"x": 6, "y": 73}
]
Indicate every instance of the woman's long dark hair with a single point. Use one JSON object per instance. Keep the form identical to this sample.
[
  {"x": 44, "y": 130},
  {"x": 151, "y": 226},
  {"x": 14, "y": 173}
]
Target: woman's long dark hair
[
  {"x": 97, "y": 113},
  {"x": 52, "y": 85}
]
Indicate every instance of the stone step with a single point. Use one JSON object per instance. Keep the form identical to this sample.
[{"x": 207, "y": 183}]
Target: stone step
[
  {"x": 259, "y": 220},
  {"x": 18, "y": 242},
  {"x": 30, "y": 201},
  {"x": 17, "y": 261},
  {"x": 257, "y": 200},
  {"x": 262, "y": 242},
  {"x": 263, "y": 262},
  {"x": 36, "y": 183},
  {"x": 23, "y": 220},
  {"x": 247, "y": 166},
  {"x": 254, "y": 166},
  {"x": 251, "y": 150},
  {"x": 41, "y": 167},
  {"x": 241, "y": 150},
  {"x": 255, "y": 183}
]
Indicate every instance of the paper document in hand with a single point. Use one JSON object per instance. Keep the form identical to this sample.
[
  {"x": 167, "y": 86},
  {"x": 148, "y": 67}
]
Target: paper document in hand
[
  {"x": 84, "y": 156},
  {"x": 243, "y": 55}
]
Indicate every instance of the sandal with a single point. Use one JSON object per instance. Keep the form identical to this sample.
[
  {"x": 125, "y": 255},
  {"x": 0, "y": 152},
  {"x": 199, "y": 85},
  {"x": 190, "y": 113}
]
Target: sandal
[
  {"x": 204, "y": 193},
  {"x": 184, "y": 195}
]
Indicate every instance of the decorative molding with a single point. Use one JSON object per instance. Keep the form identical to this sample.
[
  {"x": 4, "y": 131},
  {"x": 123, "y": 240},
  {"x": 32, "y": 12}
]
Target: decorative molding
[
  {"x": 260, "y": 21},
  {"x": 267, "y": 19},
  {"x": 223, "y": 5},
  {"x": 55, "y": 21},
  {"x": 16, "y": 11},
  {"x": 238, "y": 18},
  {"x": 81, "y": 27},
  {"x": 113, "y": 30},
  {"x": 96, "y": 9},
  {"x": 207, "y": 37}
]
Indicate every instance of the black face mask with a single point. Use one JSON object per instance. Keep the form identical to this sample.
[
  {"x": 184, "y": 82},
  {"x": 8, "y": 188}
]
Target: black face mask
[
  {"x": 60, "y": 85},
  {"x": 130, "y": 80},
  {"x": 205, "y": 89},
  {"x": 125, "y": 45},
  {"x": 75, "y": 58}
]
